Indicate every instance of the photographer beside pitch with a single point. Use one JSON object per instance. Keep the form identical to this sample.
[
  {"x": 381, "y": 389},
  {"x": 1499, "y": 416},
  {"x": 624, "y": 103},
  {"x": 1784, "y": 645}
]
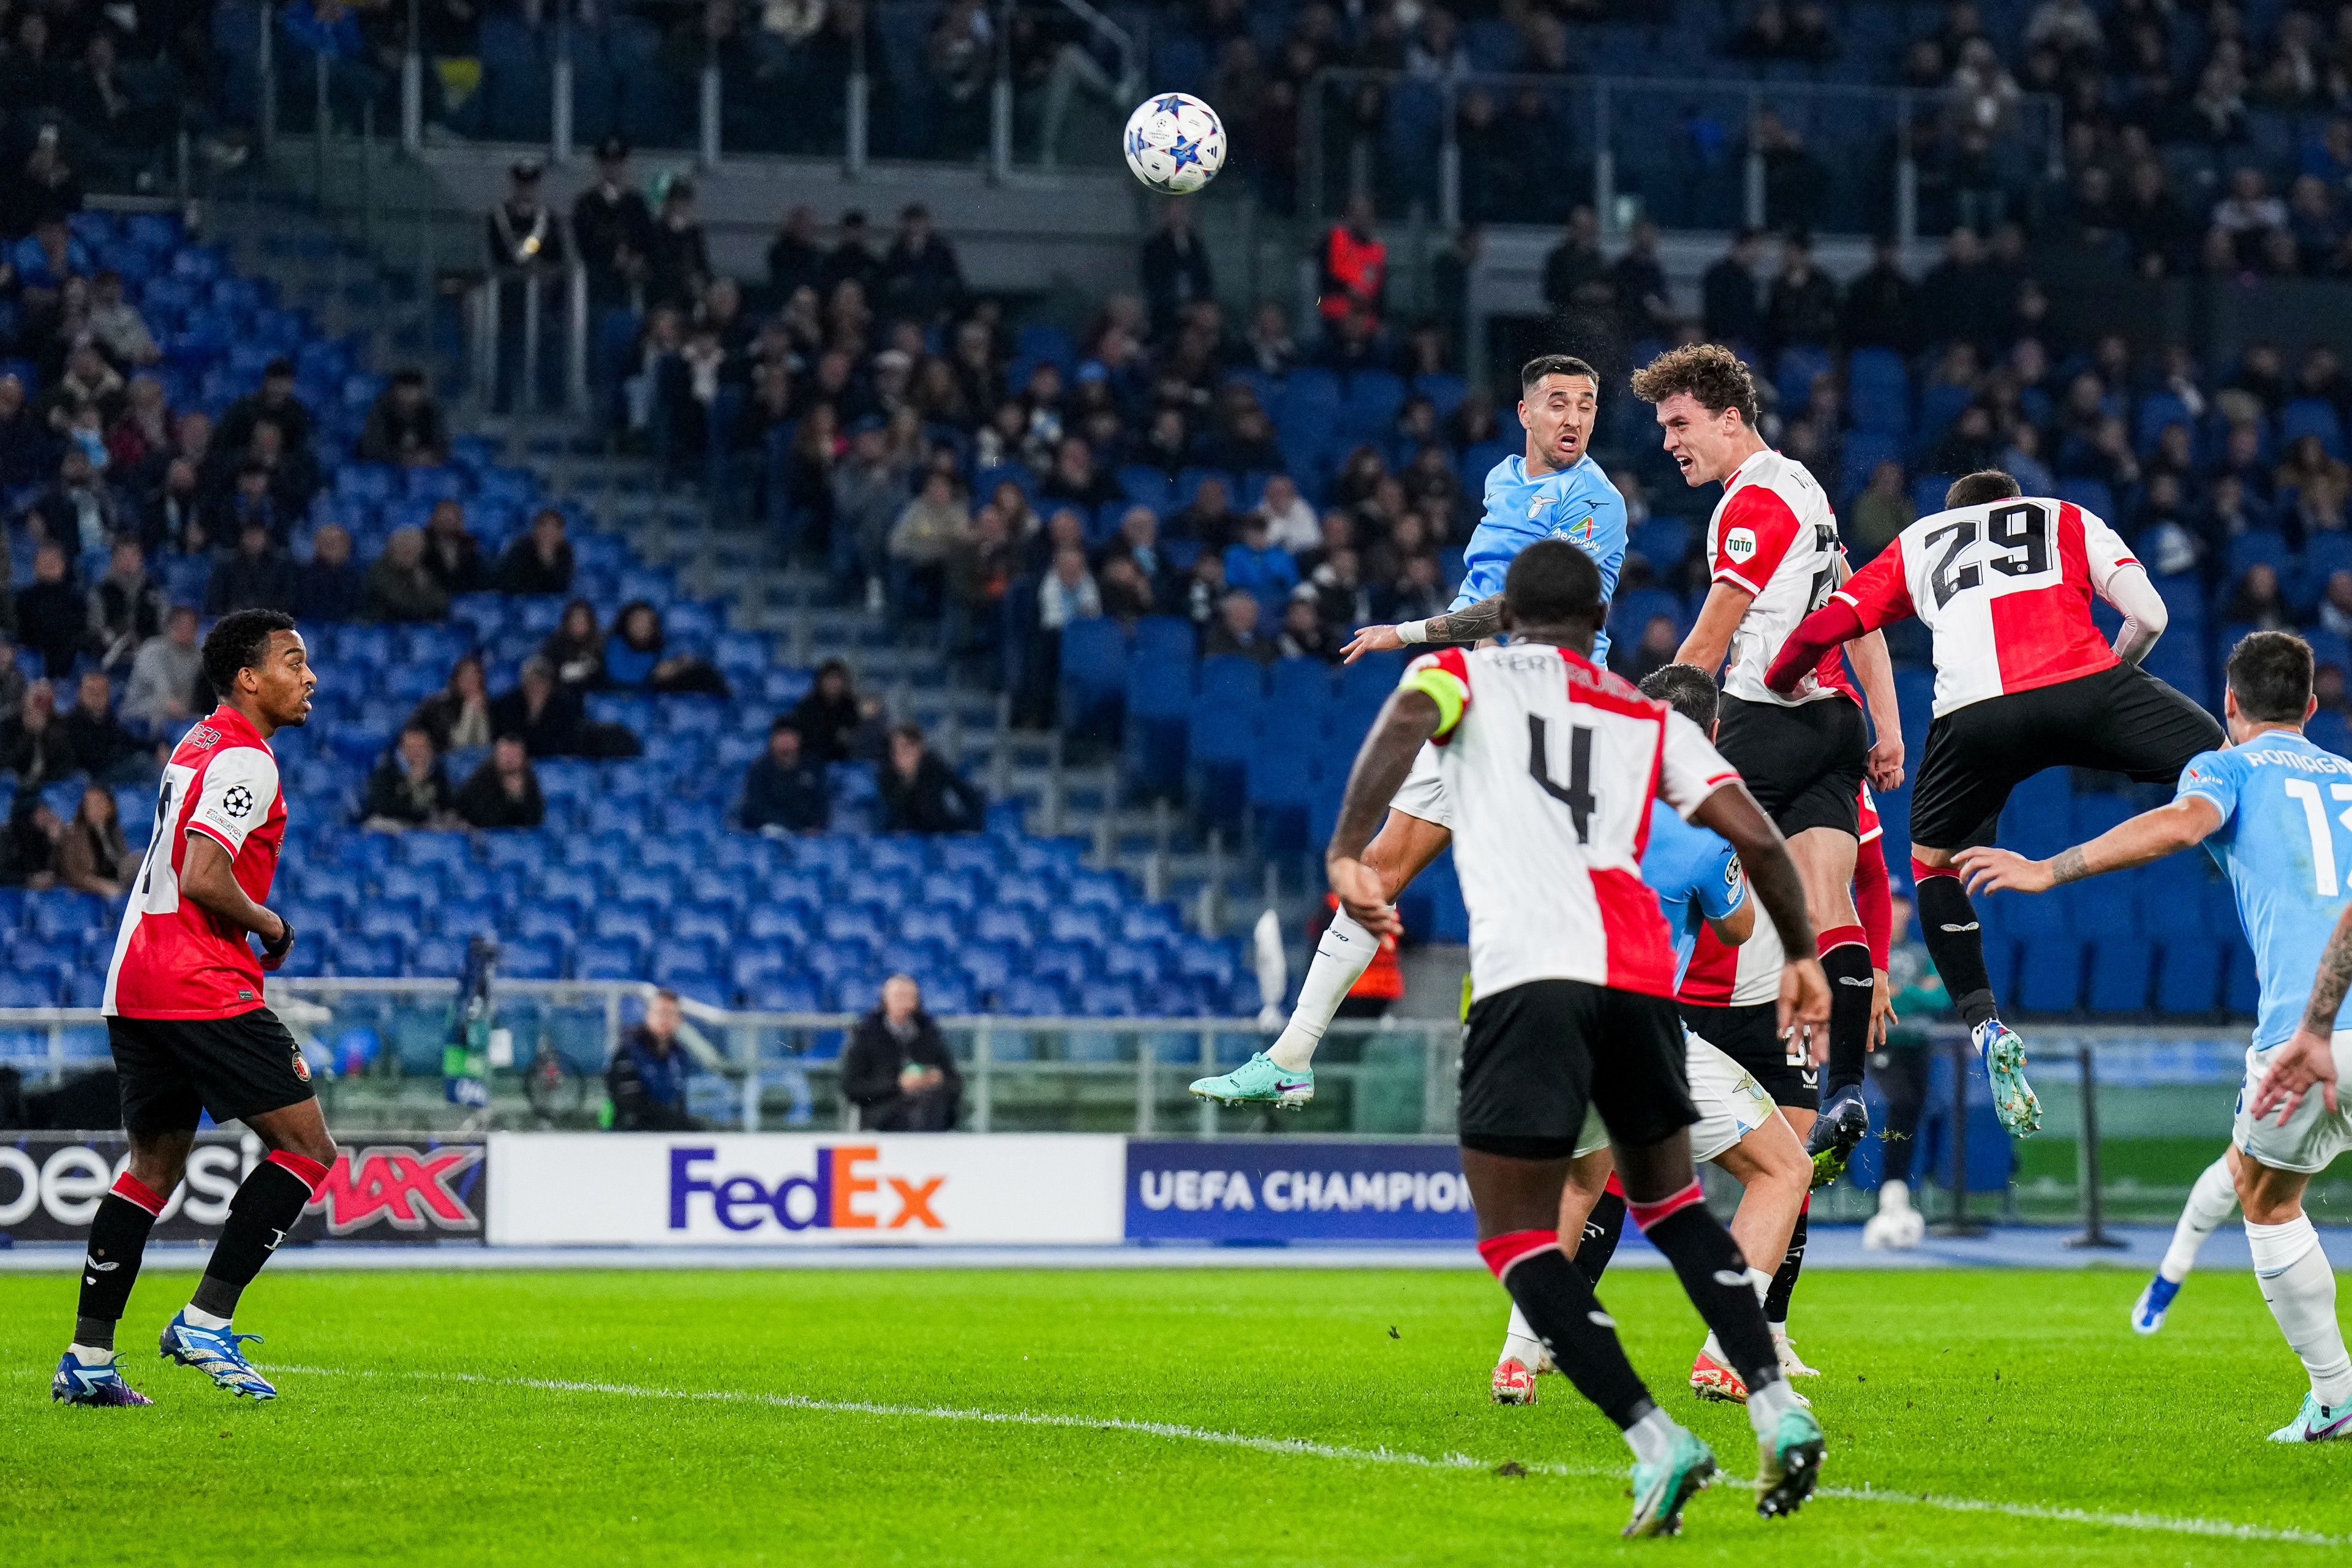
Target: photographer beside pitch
[{"x": 1554, "y": 763}]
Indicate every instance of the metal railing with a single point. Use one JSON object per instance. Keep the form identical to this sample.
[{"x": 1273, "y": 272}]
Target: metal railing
[
  {"x": 527, "y": 339},
  {"x": 1693, "y": 153}
]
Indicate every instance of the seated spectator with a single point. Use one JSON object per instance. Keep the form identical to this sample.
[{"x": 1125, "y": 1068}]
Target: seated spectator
[
  {"x": 979, "y": 574},
  {"x": 171, "y": 515},
  {"x": 2335, "y": 603},
  {"x": 143, "y": 435},
  {"x": 293, "y": 474},
  {"x": 898, "y": 1069},
  {"x": 245, "y": 503},
  {"x": 1304, "y": 634},
  {"x": 921, "y": 793},
  {"x": 1245, "y": 445},
  {"x": 126, "y": 606},
  {"x": 1290, "y": 523},
  {"x": 92, "y": 855},
  {"x": 1255, "y": 566},
  {"x": 547, "y": 715},
  {"x": 1076, "y": 480},
  {"x": 162, "y": 691},
  {"x": 258, "y": 576},
  {"x": 503, "y": 791},
  {"x": 329, "y": 586},
  {"x": 77, "y": 512},
  {"x": 635, "y": 660},
  {"x": 1070, "y": 592},
  {"x": 1343, "y": 601},
  {"x": 1127, "y": 595},
  {"x": 540, "y": 562},
  {"x": 34, "y": 744},
  {"x": 2023, "y": 458},
  {"x": 1137, "y": 542},
  {"x": 868, "y": 491},
  {"x": 928, "y": 532},
  {"x": 831, "y": 718},
  {"x": 51, "y": 618},
  {"x": 89, "y": 382},
  {"x": 400, "y": 586},
  {"x": 457, "y": 717},
  {"x": 575, "y": 648},
  {"x": 2256, "y": 602},
  {"x": 403, "y": 426},
  {"x": 101, "y": 746},
  {"x": 276, "y": 401},
  {"x": 28, "y": 445},
  {"x": 117, "y": 324},
  {"x": 646, "y": 1079},
  {"x": 408, "y": 787},
  {"x": 785, "y": 791},
  {"x": 1235, "y": 630},
  {"x": 452, "y": 554},
  {"x": 28, "y": 850}
]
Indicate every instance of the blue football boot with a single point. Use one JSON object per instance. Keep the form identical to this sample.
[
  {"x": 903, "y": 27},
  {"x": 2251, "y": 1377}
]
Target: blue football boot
[
  {"x": 2147, "y": 1313},
  {"x": 98, "y": 1384},
  {"x": 215, "y": 1353}
]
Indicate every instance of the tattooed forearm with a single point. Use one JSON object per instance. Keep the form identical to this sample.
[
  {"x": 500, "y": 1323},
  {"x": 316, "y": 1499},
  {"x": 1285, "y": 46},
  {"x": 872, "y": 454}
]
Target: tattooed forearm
[
  {"x": 1473, "y": 623},
  {"x": 2068, "y": 866},
  {"x": 2334, "y": 978}
]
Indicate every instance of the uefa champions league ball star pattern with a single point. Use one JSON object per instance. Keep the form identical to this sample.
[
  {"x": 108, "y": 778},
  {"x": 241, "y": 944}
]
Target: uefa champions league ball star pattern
[{"x": 1174, "y": 142}]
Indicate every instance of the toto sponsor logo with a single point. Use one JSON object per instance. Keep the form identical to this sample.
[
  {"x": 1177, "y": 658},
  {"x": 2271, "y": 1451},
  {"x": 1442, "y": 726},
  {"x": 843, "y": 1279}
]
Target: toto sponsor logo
[
  {"x": 835, "y": 1195},
  {"x": 50, "y": 1187}
]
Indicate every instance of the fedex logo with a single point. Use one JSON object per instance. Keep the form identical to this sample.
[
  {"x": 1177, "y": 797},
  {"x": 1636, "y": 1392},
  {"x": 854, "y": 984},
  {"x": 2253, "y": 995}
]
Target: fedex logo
[{"x": 838, "y": 1196}]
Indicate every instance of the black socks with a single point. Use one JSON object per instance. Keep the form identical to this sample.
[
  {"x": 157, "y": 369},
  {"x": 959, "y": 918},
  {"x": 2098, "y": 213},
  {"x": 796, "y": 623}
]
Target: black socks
[
  {"x": 1846, "y": 963},
  {"x": 118, "y": 1240},
  {"x": 1784, "y": 1279},
  {"x": 1715, "y": 1277},
  {"x": 1602, "y": 1228},
  {"x": 1955, "y": 942},
  {"x": 264, "y": 1210},
  {"x": 1559, "y": 1305}
]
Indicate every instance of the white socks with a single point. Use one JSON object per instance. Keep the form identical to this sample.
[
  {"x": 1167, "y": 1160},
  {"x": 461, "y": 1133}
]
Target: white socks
[
  {"x": 2210, "y": 1202},
  {"x": 90, "y": 1355},
  {"x": 203, "y": 1319},
  {"x": 2292, "y": 1270},
  {"x": 1521, "y": 1344},
  {"x": 1760, "y": 1282},
  {"x": 1346, "y": 951},
  {"x": 1653, "y": 1436},
  {"x": 1768, "y": 1404}
]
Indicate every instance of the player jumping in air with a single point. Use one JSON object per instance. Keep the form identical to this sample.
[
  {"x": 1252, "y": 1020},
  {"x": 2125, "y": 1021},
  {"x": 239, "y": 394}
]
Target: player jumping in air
[
  {"x": 2024, "y": 681},
  {"x": 1552, "y": 764},
  {"x": 1554, "y": 490},
  {"x": 2275, "y": 811},
  {"x": 1773, "y": 550},
  {"x": 1700, "y": 890},
  {"x": 188, "y": 1027}
]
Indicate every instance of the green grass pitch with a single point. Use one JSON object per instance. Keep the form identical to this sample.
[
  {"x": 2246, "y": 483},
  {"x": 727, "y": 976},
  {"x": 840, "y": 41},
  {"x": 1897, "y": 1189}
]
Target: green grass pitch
[{"x": 427, "y": 1432}]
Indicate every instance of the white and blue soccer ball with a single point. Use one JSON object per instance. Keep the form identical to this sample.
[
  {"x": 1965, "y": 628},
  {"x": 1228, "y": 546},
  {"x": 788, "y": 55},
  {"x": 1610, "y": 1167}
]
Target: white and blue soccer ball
[{"x": 1174, "y": 142}]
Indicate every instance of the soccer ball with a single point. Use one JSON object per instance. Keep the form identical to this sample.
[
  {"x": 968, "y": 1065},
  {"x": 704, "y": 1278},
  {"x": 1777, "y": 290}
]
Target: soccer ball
[{"x": 1174, "y": 142}]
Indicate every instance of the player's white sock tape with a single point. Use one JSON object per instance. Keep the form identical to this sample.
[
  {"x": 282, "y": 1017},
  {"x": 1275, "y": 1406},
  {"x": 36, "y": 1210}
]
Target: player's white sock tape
[
  {"x": 2210, "y": 1202},
  {"x": 1767, "y": 1403},
  {"x": 2292, "y": 1270},
  {"x": 1760, "y": 1281},
  {"x": 1653, "y": 1436},
  {"x": 1346, "y": 951},
  {"x": 1521, "y": 1344}
]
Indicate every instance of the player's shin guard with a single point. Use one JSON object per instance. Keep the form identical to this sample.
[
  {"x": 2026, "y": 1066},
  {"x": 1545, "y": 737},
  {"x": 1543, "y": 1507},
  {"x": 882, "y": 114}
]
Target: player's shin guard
[
  {"x": 1602, "y": 1228},
  {"x": 2211, "y": 1200},
  {"x": 1845, "y": 960},
  {"x": 1560, "y": 1306},
  {"x": 1955, "y": 940},
  {"x": 264, "y": 1210},
  {"x": 2292, "y": 1270},
  {"x": 118, "y": 1240},
  {"x": 1346, "y": 951},
  {"x": 1784, "y": 1279},
  {"x": 1715, "y": 1277}
]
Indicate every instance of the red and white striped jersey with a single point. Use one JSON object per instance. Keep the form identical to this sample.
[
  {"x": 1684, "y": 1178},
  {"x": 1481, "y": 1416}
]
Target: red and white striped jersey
[
  {"x": 172, "y": 959},
  {"x": 1774, "y": 535},
  {"x": 1551, "y": 766},
  {"x": 1721, "y": 975},
  {"x": 2006, "y": 589}
]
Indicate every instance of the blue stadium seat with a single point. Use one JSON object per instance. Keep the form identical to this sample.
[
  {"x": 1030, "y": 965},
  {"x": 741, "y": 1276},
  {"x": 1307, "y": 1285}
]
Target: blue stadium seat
[
  {"x": 715, "y": 921},
  {"x": 1002, "y": 923},
  {"x": 785, "y": 923},
  {"x": 437, "y": 957},
  {"x": 1065, "y": 962},
  {"x": 1148, "y": 922},
  {"x": 1017, "y": 891},
  {"x": 787, "y": 993},
  {"x": 989, "y": 965},
  {"x": 1141, "y": 961},
  {"x": 1023, "y": 996},
  {"x": 363, "y": 956},
  {"x": 947, "y": 927},
  {"x": 2049, "y": 974},
  {"x": 637, "y": 924},
  {"x": 2121, "y": 969},
  {"x": 608, "y": 958},
  {"x": 461, "y": 918},
  {"x": 851, "y": 923},
  {"x": 2188, "y": 981},
  {"x": 1091, "y": 927},
  {"x": 389, "y": 916},
  {"x": 948, "y": 889}
]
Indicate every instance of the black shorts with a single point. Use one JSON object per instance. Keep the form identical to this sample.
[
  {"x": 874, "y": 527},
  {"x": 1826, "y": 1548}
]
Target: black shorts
[
  {"x": 1751, "y": 1037},
  {"x": 174, "y": 1069},
  {"x": 1804, "y": 764},
  {"x": 1535, "y": 1056},
  {"x": 2123, "y": 720}
]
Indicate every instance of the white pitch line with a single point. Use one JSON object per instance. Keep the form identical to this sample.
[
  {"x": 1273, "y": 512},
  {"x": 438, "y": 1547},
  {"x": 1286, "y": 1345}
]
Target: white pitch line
[{"x": 1308, "y": 1447}]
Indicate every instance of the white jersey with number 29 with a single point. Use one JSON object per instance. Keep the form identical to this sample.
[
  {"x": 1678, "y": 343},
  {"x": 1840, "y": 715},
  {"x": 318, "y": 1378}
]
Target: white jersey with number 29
[{"x": 1550, "y": 765}]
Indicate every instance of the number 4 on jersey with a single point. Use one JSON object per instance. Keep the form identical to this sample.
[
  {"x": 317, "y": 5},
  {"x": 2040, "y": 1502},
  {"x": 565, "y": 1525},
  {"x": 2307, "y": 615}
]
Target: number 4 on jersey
[{"x": 1578, "y": 795}]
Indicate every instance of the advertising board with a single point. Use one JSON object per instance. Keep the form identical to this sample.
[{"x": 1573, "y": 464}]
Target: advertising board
[{"x": 1297, "y": 1190}]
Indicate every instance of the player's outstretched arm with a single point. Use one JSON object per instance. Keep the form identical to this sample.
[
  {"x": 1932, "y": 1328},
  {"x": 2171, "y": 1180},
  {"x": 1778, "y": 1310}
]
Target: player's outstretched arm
[
  {"x": 1470, "y": 624},
  {"x": 2150, "y": 836},
  {"x": 1408, "y": 720},
  {"x": 1732, "y": 812},
  {"x": 2308, "y": 1057},
  {"x": 1709, "y": 642},
  {"x": 2144, "y": 611},
  {"x": 208, "y": 881}
]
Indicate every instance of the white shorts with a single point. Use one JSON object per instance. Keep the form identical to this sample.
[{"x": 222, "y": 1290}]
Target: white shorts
[
  {"x": 1731, "y": 1103},
  {"x": 2313, "y": 1135},
  {"x": 1422, "y": 793}
]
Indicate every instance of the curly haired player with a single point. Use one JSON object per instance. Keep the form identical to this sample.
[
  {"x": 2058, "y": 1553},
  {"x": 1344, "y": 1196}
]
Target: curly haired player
[{"x": 188, "y": 1027}]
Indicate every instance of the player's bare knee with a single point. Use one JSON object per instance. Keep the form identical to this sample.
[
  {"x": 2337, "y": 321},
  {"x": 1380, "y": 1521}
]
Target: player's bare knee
[{"x": 159, "y": 1161}]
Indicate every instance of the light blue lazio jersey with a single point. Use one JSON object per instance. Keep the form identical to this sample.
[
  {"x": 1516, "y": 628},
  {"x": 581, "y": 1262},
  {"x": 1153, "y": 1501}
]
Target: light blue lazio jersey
[
  {"x": 1578, "y": 504},
  {"x": 2286, "y": 844},
  {"x": 1695, "y": 875}
]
